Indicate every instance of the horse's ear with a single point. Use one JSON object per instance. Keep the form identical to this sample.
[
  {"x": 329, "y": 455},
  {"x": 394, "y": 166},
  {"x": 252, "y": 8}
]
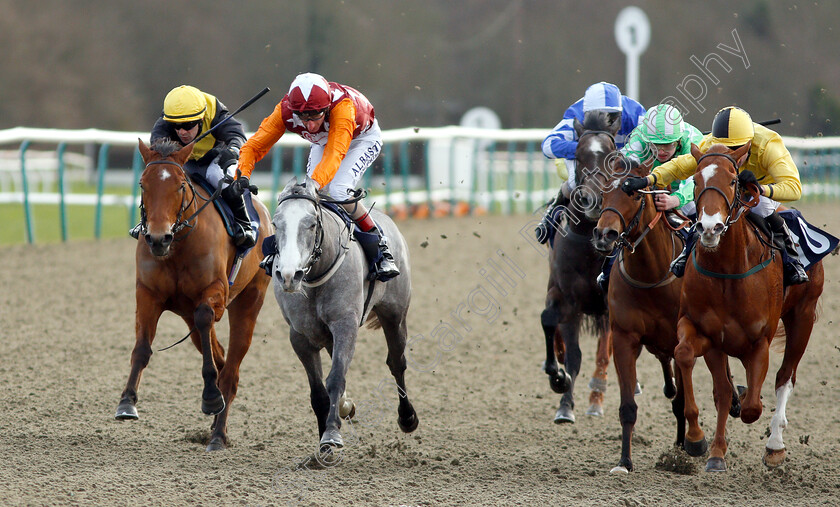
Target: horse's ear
[
  {"x": 742, "y": 153},
  {"x": 292, "y": 182},
  {"x": 184, "y": 153},
  {"x": 578, "y": 127},
  {"x": 309, "y": 183},
  {"x": 145, "y": 152},
  {"x": 695, "y": 152},
  {"x": 614, "y": 122}
]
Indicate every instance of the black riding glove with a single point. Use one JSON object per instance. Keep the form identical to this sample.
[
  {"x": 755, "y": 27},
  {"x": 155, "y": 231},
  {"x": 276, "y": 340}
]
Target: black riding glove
[
  {"x": 747, "y": 178},
  {"x": 228, "y": 157},
  {"x": 633, "y": 183},
  {"x": 240, "y": 184}
]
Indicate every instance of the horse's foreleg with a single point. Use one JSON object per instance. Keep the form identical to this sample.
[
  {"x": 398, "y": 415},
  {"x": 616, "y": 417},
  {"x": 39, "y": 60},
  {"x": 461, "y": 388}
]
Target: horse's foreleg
[
  {"x": 212, "y": 401},
  {"x": 569, "y": 332},
  {"x": 557, "y": 377},
  {"x": 684, "y": 356},
  {"x": 755, "y": 366},
  {"x": 242, "y": 315},
  {"x": 716, "y": 361},
  {"x": 146, "y": 319},
  {"x": 627, "y": 348},
  {"x": 310, "y": 357},
  {"x": 396, "y": 333},
  {"x": 344, "y": 344},
  {"x": 598, "y": 383}
]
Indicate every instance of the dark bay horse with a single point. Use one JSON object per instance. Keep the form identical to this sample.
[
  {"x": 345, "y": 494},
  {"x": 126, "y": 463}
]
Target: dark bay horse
[
  {"x": 573, "y": 295},
  {"x": 730, "y": 305},
  {"x": 322, "y": 285},
  {"x": 183, "y": 265},
  {"x": 643, "y": 295}
]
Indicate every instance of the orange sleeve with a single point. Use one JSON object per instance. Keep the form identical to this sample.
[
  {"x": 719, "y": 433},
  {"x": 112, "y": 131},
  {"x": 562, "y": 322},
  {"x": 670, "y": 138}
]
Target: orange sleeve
[
  {"x": 342, "y": 126},
  {"x": 270, "y": 131}
]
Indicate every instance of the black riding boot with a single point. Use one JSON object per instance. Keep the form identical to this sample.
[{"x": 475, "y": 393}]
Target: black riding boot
[
  {"x": 678, "y": 264},
  {"x": 244, "y": 235},
  {"x": 794, "y": 272},
  {"x": 603, "y": 279},
  {"x": 545, "y": 229},
  {"x": 375, "y": 246},
  {"x": 134, "y": 232}
]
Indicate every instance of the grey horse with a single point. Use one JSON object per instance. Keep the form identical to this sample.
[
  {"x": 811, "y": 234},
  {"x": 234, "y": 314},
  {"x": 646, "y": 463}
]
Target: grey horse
[{"x": 322, "y": 284}]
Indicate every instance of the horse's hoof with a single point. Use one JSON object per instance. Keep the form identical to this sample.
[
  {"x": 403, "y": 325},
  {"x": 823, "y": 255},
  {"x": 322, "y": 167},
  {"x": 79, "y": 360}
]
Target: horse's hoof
[
  {"x": 216, "y": 444},
  {"x": 670, "y": 389},
  {"x": 346, "y": 408},
  {"x": 560, "y": 382},
  {"x": 599, "y": 385},
  {"x": 595, "y": 410},
  {"x": 564, "y": 414},
  {"x": 716, "y": 465},
  {"x": 773, "y": 457},
  {"x": 410, "y": 424},
  {"x": 332, "y": 438},
  {"x": 126, "y": 412},
  {"x": 214, "y": 406},
  {"x": 619, "y": 470},
  {"x": 696, "y": 448}
]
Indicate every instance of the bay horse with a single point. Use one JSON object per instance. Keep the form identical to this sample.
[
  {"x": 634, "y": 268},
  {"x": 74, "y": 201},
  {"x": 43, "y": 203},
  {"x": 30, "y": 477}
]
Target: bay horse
[
  {"x": 323, "y": 287},
  {"x": 731, "y": 302},
  {"x": 643, "y": 294},
  {"x": 573, "y": 295},
  {"x": 183, "y": 264}
]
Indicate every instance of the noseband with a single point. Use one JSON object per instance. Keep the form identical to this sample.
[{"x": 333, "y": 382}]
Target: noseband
[{"x": 628, "y": 228}]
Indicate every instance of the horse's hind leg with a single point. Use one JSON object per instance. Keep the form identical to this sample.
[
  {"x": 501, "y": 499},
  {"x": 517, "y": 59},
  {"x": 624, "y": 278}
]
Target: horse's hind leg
[
  {"x": 569, "y": 331},
  {"x": 395, "y": 335},
  {"x": 147, "y": 316},
  {"x": 598, "y": 383},
  {"x": 559, "y": 381},
  {"x": 242, "y": 315}
]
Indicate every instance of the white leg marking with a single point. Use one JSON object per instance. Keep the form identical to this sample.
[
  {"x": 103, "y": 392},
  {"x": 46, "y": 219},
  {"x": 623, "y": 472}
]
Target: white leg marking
[{"x": 779, "y": 421}]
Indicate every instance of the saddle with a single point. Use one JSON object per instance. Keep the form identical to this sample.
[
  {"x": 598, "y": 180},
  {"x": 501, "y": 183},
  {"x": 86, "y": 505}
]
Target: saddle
[{"x": 224, "y": 210}]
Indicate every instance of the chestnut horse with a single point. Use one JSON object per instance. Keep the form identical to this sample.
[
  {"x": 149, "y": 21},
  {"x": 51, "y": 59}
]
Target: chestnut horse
[
  {"x": 183, "y": 264},
  {"x": 731, "y": 302},
  {"x": 573, "y": 267},
  {"x": 643, "y": 295}
]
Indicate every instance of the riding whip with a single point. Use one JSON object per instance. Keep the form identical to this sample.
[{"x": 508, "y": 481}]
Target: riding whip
[
  {"x": 231, "y": 115},
  {"x": 764, "y": 123}
]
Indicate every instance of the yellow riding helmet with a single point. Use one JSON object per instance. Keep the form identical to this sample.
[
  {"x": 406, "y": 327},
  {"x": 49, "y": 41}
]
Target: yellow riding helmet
[
  {"x": 184, "y": 104},
  {"x": 732, "y": 126}
]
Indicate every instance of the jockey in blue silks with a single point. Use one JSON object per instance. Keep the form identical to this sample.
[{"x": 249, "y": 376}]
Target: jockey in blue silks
[{"x": 562, "y": 142}]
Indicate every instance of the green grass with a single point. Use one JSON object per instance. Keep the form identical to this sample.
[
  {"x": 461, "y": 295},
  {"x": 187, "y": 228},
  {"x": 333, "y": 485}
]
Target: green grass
[{"x": 46, "y": 223}]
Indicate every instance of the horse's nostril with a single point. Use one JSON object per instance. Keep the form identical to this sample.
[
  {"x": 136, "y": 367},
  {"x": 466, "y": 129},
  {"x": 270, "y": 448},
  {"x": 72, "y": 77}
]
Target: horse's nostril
[
  {"x": 167, "y": 239},
  {"x": 148, "y": 238},
  {"x": 298, "y": 276}
]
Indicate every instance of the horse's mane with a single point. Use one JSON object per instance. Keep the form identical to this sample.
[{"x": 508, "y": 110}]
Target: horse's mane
[
  {"x": 165, "y": 147},
  {"x": 596, "y": 120}
]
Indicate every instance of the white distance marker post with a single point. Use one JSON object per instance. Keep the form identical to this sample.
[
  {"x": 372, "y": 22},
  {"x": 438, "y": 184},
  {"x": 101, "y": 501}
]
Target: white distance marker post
[{"x": 632, "y": 34}]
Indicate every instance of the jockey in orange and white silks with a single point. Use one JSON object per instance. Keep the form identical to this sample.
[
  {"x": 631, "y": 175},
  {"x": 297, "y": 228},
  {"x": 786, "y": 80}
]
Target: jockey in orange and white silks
[{"x": 341, "y": 125}]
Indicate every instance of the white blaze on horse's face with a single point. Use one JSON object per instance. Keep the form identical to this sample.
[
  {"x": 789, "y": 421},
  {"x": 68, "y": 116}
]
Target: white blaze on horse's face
[
  {"x": 295, "y": 240},
  {"x": 164, "y": 175},
  {"x": 596, "y": 146},
  {"x": 710, "y": 226}
]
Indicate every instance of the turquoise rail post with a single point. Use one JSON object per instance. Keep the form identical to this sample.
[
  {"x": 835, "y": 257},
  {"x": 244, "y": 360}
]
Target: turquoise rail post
[
  {"x": 276, "y": 169},
  {"x": 452, "y": 176},
  {"x": 428, "y": 178},
  {"x": 388, "y": 170},
  {"x": 62, "y": 207},
  {"x": 100, "y": 189},
  {"x": 491, "y": 180},
  {"x": 404, "y": 173},
  {"x": 297, "y": 163},
  {"x": 27, "y": 210},
  {"x": 511, "y": 184},
  {"x": 474, "y": 183},
  {"x": 136, "y": 170},
  {"x": 529, "y": 185}
]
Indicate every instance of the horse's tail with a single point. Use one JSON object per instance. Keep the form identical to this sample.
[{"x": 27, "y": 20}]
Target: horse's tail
[{"x": 372, "y": 321}]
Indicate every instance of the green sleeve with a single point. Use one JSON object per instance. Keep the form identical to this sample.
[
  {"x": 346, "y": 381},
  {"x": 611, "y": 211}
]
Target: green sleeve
[{"x": 686, "y": 192}]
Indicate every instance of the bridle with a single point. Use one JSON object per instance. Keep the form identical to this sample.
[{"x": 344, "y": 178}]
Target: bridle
[
  {"x": 180, "y": 223},
  {"x": 734, "y": 214},
  {"x": 316, "y": 252}
]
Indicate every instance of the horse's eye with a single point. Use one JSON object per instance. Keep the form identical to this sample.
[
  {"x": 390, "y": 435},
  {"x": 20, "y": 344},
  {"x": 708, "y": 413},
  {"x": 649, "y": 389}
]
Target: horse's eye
[{"x": 732, "y": 183}]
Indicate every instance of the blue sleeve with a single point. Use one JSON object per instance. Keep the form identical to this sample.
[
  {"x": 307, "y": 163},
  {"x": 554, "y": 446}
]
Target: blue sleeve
[{"x": 562, "y": 141}]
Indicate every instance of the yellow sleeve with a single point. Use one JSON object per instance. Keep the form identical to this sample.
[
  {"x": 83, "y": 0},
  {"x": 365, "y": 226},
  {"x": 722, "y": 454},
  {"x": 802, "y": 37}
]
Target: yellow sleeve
[
  {"x": 342, "y": 126},
  {"x": 270, "y": 131},
  {"x": 775, "y": 159},
  {"x": 678, "y": 168}
]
